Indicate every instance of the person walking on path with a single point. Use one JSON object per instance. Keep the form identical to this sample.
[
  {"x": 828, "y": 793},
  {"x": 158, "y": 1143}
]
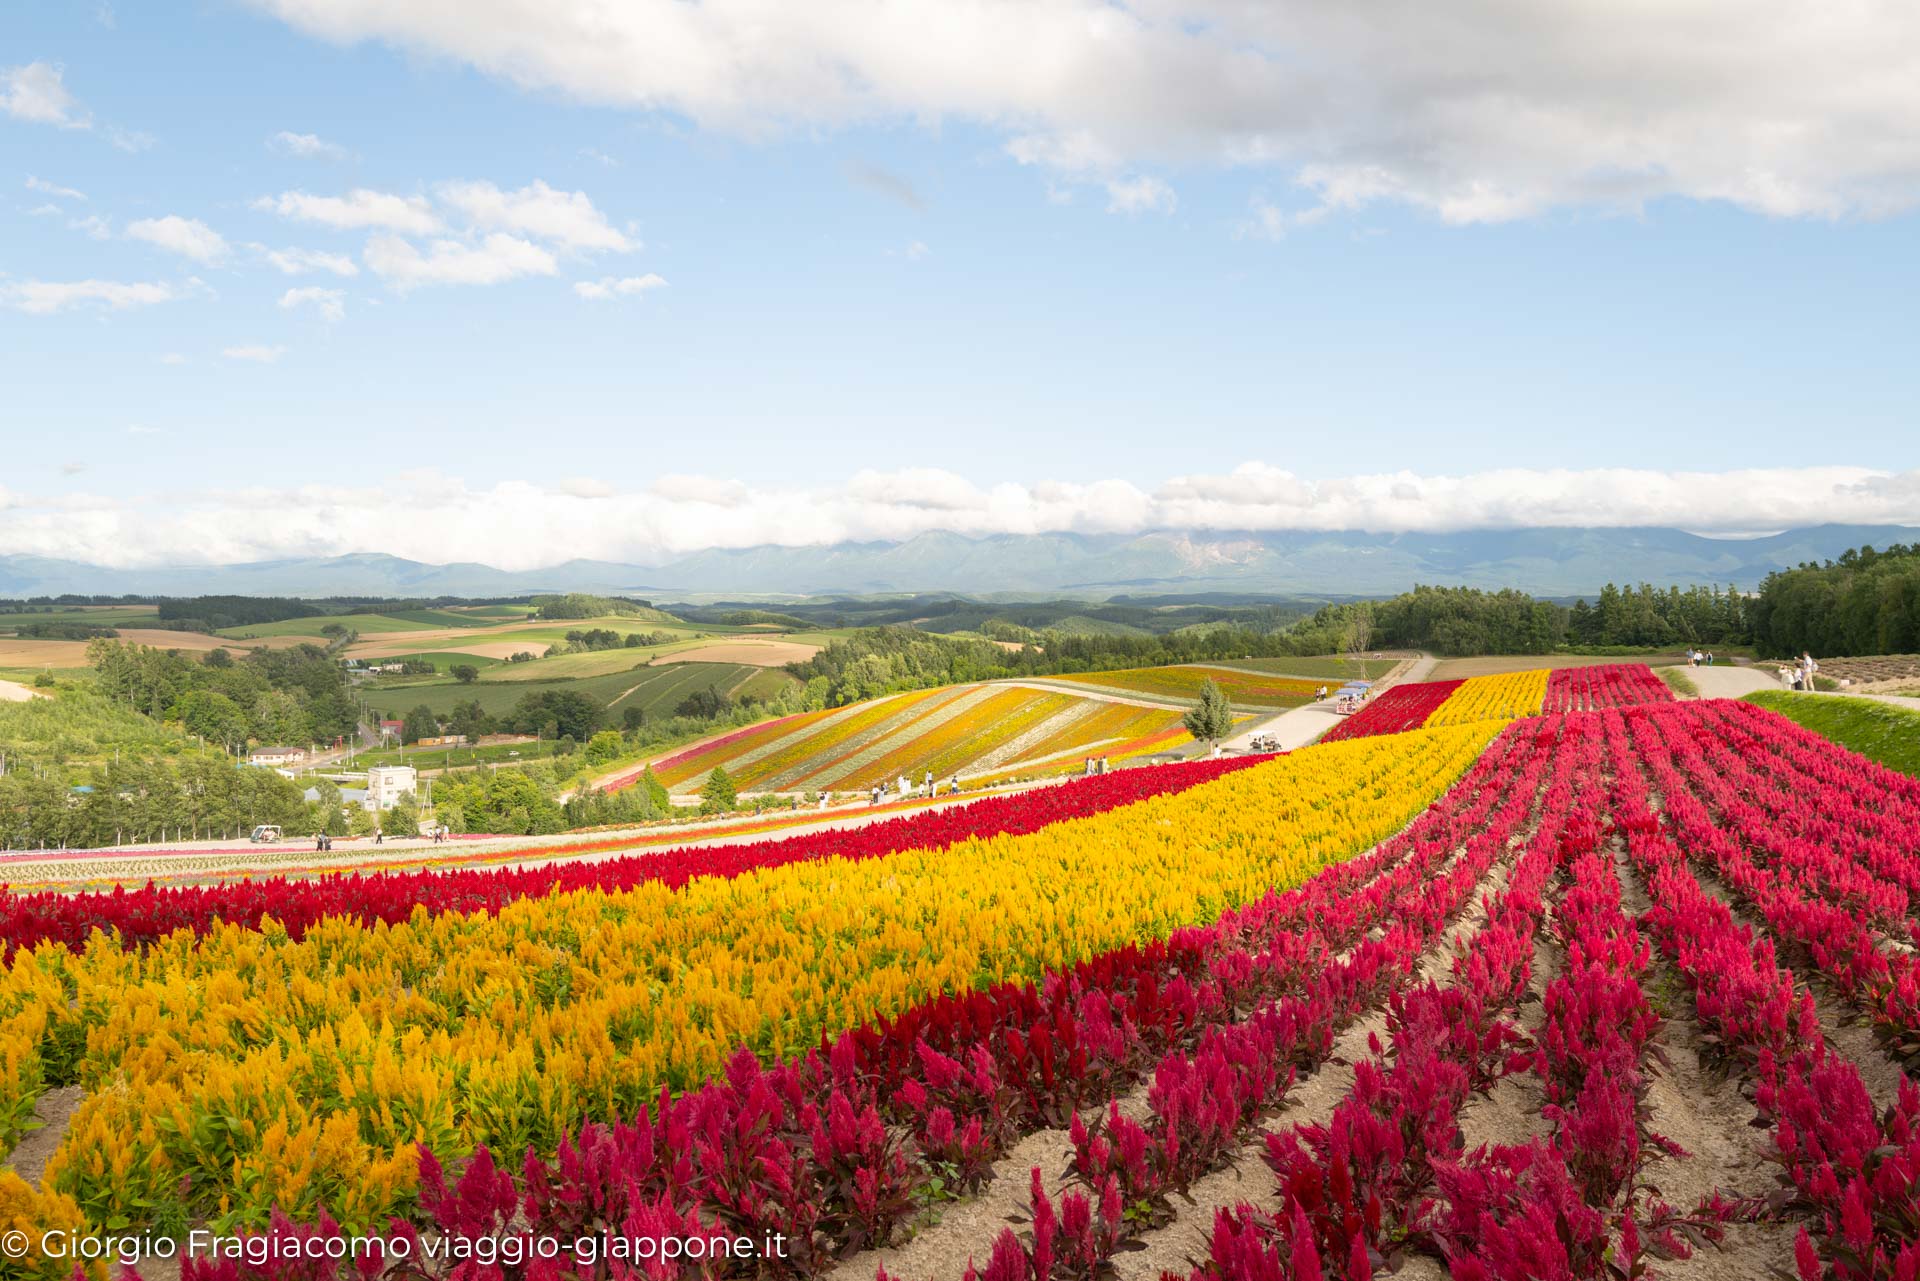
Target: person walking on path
[{"x": 1807, "y": 668}]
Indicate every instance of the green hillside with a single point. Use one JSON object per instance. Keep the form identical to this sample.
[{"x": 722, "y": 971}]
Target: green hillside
[{"x": 656, "y": 690}]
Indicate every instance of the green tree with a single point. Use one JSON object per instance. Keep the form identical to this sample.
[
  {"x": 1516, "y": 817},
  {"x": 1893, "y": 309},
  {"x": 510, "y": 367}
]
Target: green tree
[
  {"x": 718, "y": 796},
  {"x": 403, "y": 819},
  {"x": 214, "y": 717},
  {"x": 1211, "y": 719},
  {"x": 604, "y": 746},
  {"x": 419, "y": 723},
  {"x": 465, "y": 673}
]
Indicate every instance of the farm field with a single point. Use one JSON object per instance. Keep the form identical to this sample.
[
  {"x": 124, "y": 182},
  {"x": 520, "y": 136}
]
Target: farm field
[
  {"x": 1336, "y": 670},
  {"x": 1622, "y": 971},
  {"x": 31, "y": 653},
  {"x": 1182, "y": 684},
  {"x": 1499, "y": 664},
  {"x": 1503, "y": 697},
  {"x": 1880, "y": 667},
  {"x": 655, "y": 689},
  {"x": 974, "y": 731}
]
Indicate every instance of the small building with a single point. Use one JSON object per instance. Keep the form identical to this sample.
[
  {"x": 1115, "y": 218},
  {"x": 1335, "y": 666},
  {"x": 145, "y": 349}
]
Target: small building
[
  {"x": 444, "y": 740},
  {"x": 272, "y": 756},
  {"x": 392, "y": 729},
  {"x": 386, "y": 784}
]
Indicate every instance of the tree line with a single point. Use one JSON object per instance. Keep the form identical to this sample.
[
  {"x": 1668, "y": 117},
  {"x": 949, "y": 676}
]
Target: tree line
[{"x": 1865, "y": 602}]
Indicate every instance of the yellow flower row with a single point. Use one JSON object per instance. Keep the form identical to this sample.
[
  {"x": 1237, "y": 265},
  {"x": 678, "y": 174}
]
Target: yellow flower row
[
  {"x": 257, "y": 1071},
  {"x": 1505, "y": 697}
]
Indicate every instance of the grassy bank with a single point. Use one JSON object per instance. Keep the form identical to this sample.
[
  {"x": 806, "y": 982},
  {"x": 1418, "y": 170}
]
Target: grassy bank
[{"x": 1878, "y": 731}]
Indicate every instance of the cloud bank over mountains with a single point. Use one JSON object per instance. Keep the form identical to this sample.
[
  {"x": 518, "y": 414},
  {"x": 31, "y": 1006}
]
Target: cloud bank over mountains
[{"x": 515, "y": 525}]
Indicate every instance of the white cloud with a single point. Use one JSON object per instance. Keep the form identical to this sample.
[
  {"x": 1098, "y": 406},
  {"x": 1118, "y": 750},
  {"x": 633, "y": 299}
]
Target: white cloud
[
  {"x": 96, "y": 227},
  {"x": 306, "y": 144},
  {"x": 38, "y": 93},
  {"x": 1142, "y": 194},
  {"x": 495, "y": 259},
  {"x": 1477, "y": 110},
  {"x": 610, "y": 287},
  {"x": 330, "y": 303},
  {"x": 526, "y": 524},
  {"x": 259, "y": 354},
  {"x": 1272, "y": 222},
  {"x": 46, "y": 188},
  {"x": 188, "y": 237},
  {"x": 298, "y": 262},
  {"x": 356, "y": 210},
  {"x": 128, "y": 139},
  {"x": 43, "y": 297},
  {"x": 565, "y": 218}
]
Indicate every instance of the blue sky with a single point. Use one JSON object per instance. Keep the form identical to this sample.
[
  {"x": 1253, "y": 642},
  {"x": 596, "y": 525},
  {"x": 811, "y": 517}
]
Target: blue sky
[{"x": 979, "y": 287}]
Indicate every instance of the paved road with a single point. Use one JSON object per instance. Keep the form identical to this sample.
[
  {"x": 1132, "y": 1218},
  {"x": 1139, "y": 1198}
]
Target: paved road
[{"x": 1732, "y": 682}]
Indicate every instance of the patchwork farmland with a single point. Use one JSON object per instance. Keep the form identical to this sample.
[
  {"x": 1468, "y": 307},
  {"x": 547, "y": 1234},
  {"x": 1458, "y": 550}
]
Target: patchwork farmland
[{"x": 975, "y": 731}]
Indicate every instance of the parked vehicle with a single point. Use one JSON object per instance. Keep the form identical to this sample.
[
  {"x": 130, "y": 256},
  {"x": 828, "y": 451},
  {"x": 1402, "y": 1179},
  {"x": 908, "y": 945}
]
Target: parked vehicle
[{"x": 266, "y": 833}]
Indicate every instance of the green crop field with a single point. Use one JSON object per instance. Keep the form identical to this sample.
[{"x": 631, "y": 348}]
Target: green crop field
[
  {"x": 441, "y": 658},
  {"x": 365, "y": 624},
  {"x": 443, "y": 618},
  {"x": 87, "y": 615},
  {"x": 657, "y": 690}
]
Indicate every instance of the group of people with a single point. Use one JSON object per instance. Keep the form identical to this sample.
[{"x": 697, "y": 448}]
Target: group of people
[
  {"x": 1800, "y": 675},
  {"x": 906, "y": 788},
  {"x": 1696, "y": 657}
]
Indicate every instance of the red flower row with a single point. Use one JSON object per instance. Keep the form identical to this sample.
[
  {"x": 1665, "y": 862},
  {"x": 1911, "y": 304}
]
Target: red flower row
[
  {"x": 143, "y": 915},
  {"x": 1401, "y": 708},
  {"x": 1855, "y": 1172},
  {"x": 1590, "y": 689}
]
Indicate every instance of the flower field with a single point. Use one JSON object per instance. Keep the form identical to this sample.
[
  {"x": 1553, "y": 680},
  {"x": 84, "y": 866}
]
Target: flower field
[
  {"x": 262, "y": 1070},
  {"x": 1251, "y": 688},
  {"x": 1610, "y": 992},
  {"x": 1503, "y": 697},
  {"x": 974, "y": 731}
]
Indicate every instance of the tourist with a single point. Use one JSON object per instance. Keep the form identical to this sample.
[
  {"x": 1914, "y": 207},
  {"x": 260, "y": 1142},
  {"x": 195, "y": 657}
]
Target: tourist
[
  {"x": 929, "y": 785},
  {"x": 1807, "y": 668},
  {"x": 953, "y": 786}
]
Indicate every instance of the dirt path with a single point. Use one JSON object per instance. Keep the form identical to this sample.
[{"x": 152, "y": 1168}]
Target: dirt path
[
  {"x": 15, "y": 692},
  {"x": 54, "y": 1112}
]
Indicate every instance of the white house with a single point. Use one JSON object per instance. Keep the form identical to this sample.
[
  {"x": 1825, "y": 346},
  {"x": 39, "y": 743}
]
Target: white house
[
  {"x": 276, "y": 756},
  {"x": 386, "y": 784}
]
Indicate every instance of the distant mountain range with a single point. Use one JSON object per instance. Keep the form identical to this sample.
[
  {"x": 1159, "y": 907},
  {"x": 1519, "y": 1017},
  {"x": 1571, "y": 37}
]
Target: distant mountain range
[{"x": 1548, "y": 562}]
